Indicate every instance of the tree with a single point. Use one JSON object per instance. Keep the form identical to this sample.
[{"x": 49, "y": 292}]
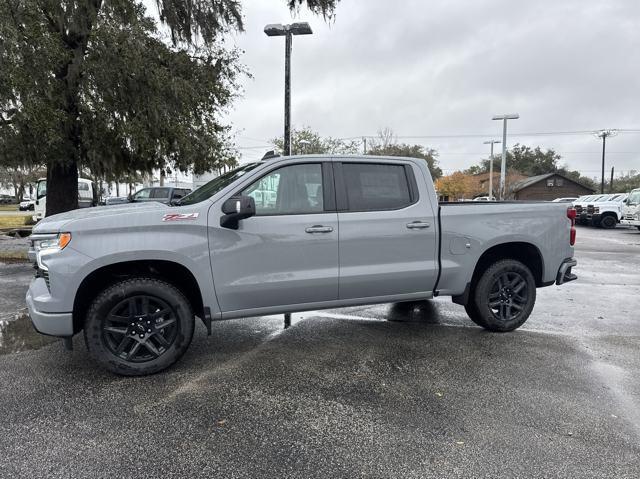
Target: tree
[
  {"x": 456, "y": 186},
  {"x": 530, "y": 162},
  {"x": 308, "y": 142},
  {"x": 386, "y": 145},
  {"x": 90, "y": 83}
]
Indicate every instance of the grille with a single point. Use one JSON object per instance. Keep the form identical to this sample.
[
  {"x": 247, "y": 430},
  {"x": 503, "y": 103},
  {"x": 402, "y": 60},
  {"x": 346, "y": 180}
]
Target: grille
[
  {"x": 590, "y": 209},
  {"x": 41, "y": 273},
  {"x": 578, "y": 209}
]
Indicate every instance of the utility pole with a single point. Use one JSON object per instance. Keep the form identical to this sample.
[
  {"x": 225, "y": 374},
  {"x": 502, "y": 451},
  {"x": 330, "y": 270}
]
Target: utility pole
[
  {"x": 604, "y": 134},
  {"x": 364, "y": 140},
  {"x": 287, "y": 31},
  {"x": 611, "y": 183},
  {"x": 503, "y": 168},
  {"x": 491, "y": 142}
]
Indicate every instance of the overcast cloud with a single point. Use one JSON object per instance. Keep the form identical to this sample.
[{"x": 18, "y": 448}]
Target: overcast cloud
[{"x": 442, "y": 67}]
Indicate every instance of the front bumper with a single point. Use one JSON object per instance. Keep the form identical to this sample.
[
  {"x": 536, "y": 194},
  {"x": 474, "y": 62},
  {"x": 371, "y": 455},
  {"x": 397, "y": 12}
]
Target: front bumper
[
  {"x": 53, "y": 324},
  {"x": 630, "y": 222},
  {"x": 564, "y": 272}
]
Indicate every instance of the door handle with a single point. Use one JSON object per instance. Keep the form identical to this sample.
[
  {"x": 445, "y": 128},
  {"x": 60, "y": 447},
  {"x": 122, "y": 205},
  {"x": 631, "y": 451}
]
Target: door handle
[
  {"x": 319, "y": 229},
  {"x": 418, "y": 225}
]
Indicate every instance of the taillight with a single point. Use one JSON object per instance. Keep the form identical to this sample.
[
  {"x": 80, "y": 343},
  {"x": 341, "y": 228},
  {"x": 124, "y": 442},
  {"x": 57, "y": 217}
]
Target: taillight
[{"x": 571, "y": 214}]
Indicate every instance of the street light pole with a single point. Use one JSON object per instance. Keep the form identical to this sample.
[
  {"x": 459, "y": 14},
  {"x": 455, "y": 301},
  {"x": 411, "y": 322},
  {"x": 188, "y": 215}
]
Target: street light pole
[
  {"x": 604, "y": 134},
  {"x": 287, "y": 93},
  {"x": 287, "y": 31},
  {"x": 491, "y": 142},
  {"x": 503, "y": 167}
]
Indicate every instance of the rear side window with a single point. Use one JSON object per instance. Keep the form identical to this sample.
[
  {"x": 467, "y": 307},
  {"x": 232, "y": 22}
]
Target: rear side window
[
  {"x": 372, "y": 186},
  {"x": 161, "y": 193}
]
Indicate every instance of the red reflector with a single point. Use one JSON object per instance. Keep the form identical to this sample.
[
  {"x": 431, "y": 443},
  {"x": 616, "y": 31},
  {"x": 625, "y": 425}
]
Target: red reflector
[
  {"x": 571, "y": 213},
  {"x": 572, "y": 236}
]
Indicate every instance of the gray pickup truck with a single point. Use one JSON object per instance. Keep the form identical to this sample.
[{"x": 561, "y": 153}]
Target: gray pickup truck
[{"x": 282, "y": 235}]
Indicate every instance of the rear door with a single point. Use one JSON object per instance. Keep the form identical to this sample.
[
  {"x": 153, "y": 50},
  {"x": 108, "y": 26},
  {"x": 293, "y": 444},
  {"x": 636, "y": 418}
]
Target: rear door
[
  {"x": 287, "y": 254},
  {"x": 387, "y": 240}
]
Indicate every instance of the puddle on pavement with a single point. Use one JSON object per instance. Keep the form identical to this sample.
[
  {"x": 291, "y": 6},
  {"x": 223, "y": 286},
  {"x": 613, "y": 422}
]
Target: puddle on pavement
[{"x": 17, "y": 334}]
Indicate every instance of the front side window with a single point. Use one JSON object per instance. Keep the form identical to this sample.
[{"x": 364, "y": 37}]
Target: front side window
[
  {"x": 41, "y": 189},
  {"x": 376, "y": 186},
  {"x": 142, "y": 194},
  {"x": 295, "y": 189}
]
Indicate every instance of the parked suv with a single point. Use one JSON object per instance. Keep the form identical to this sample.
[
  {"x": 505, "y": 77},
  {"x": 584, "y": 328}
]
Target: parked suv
[{"x": 162, "y": 194}]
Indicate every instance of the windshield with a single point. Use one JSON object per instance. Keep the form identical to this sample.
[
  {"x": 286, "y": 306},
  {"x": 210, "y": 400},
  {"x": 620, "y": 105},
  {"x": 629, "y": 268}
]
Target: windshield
[
  {"x": 634, "y": 198},
  {"x": 604, "y": 198},
  {"x": 215, "y": 185}
]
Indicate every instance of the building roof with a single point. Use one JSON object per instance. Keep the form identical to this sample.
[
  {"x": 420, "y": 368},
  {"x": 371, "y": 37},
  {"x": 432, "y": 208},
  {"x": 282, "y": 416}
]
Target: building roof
[{"x": 532, "y": 180}]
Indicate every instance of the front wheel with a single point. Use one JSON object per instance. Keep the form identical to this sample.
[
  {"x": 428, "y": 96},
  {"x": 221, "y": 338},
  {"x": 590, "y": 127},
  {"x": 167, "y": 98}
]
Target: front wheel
[
  {"x": 608, "y": 222},
  {"x": 503, "y": 297},
  {"x": 139, "y": 326}
]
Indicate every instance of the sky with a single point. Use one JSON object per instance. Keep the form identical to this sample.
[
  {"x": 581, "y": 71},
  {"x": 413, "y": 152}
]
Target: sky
[{"x": 440, "y": 69}]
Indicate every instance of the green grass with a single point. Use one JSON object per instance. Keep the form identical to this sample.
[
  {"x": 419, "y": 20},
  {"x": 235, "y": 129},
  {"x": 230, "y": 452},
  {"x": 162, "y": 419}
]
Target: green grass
[
  {"x": 11, "y": 256},
  {"x": 14, "y": 221}
]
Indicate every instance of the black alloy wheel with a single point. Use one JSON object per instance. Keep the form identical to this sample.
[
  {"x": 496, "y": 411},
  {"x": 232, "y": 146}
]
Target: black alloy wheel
[
  {"x": 509, "y": 296},
  {"x": 140, "y": 328}
]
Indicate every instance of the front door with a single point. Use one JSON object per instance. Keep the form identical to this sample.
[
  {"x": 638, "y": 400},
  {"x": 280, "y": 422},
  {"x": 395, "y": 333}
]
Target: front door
[
  {"x": 288, "y": 253},
  {"x": 388, "y": 244}
]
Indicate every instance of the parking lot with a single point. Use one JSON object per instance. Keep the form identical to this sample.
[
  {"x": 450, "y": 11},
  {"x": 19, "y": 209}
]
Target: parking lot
[{"x": 384, "y": 391}]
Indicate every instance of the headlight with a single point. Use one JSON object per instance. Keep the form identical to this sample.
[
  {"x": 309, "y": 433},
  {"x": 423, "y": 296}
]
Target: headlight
[{"x": 55, "y": 243}]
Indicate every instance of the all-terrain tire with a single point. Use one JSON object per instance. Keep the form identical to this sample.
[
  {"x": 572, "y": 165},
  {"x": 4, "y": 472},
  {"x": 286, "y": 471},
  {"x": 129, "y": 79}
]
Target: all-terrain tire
[
  {"x": 162, "y": 333},
  {"x": 503, "y": 296}
]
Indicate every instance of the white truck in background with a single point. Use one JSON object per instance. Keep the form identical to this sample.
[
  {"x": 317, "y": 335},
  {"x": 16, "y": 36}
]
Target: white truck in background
[
  {"x": 606, "y": 212},
  {"x": 631, "y": 209},
  {"x": 87, "y": 196}
]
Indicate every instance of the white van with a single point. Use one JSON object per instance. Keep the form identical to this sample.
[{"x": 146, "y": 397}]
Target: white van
[{"x": 87, "y": 196}]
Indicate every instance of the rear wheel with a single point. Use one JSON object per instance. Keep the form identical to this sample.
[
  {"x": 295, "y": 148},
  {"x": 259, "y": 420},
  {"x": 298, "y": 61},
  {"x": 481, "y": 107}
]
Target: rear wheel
[
  {"x": 608, "y": 222},
  {"x": 503, "y": 297},
  {"x": 139, "y": 326}
]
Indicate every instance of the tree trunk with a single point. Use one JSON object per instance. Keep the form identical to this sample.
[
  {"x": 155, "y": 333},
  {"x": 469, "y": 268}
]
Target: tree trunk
[
  {"x": 62, "y": 172},
  {"x": 62, "y": 188}
]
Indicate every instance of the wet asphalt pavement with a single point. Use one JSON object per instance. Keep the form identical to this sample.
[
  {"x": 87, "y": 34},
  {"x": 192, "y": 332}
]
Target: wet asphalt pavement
[{"x": 348, "y": 393}]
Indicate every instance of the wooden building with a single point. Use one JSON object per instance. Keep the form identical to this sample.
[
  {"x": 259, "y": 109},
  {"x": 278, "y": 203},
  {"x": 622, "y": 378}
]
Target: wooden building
[{"x": 547, "y": 187}]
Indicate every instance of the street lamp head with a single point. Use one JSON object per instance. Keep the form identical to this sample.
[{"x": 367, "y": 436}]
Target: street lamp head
[
  {"x": 280, "y": 30},
  {"x": 489, "y": 142},
  {"x": 508, "y": 116},
  {"x": 300, "y": 28},
  {"x": 605, "y": 133},
  {"x": 275, "y": 30}
]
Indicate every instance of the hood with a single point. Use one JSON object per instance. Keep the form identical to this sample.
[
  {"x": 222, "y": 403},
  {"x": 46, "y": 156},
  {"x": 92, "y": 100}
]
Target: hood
[{"x": 55, "y": 223}]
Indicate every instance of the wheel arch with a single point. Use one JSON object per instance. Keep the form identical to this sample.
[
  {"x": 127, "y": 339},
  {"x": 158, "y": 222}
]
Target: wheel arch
[
  {"x": 172, "y": 272},
  {"x": 527, "y": 253}
]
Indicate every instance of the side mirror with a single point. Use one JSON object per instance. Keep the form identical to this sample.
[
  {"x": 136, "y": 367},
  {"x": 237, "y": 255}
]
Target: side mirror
[{"x": 235, "y": 209}]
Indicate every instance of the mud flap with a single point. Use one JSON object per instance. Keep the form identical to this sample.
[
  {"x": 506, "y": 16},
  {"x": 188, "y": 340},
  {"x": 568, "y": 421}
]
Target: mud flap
[{"x": 206, "y": 320}]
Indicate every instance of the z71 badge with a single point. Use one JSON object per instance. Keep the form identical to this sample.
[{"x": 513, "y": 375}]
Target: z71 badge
[{"x": 180, "y": 216}]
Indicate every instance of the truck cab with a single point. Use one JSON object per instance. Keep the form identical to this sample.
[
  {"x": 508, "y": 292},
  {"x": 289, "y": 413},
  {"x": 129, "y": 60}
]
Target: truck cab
[
  {"x": 87, "y": 196},
  {"x": 631, "y": 209}
]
